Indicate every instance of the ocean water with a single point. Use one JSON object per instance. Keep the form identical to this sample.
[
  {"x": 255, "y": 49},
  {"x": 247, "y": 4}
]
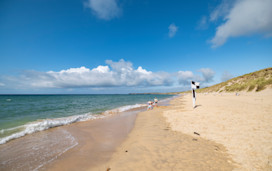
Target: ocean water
[{"x": 26, "y": 114}]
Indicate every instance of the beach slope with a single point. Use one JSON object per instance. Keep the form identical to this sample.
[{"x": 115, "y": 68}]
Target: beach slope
[
  {"x": 152, "y": 145},
  {"x": 241, "y": 122}
]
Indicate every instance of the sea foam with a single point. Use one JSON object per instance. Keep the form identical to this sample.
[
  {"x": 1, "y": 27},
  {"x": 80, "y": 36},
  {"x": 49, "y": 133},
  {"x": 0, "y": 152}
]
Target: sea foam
[
  {"x": 45, "y": 124},
  {"x": 124, "y": 108},
  {"x": 73, "y": 143}
]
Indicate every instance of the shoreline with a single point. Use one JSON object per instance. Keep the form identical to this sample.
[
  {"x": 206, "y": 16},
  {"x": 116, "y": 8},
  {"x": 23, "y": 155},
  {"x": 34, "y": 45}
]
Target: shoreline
[
  {"x": 93, "y": 139},
  {"x": 152, "y": 145},
  {"x": 97, "y": 141},
  {"x": 44, "y": 148},
  {"x": 60, "y": 115},
  {"x": 47, "y": 124},
  {"x": 224, "y": 132}
]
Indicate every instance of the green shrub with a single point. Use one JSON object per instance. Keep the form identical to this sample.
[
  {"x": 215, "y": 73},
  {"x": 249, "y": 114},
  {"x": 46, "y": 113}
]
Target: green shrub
[
  {"x": 241, "y": 87},
  {"x": 260, "y": 87},
  {"x": 251, "y": 87}
]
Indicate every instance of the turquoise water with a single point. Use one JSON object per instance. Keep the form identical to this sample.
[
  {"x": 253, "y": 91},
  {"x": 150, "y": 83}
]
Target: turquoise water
[{"x": 25, "y": 114}]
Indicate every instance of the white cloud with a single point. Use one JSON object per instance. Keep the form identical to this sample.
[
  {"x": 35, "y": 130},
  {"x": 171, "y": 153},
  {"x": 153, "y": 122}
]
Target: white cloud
[
  {"x": 246, "y": 17},
  {"x": 104, "y": 9},
  {"x": 172, "y": 30},
  {"x": 221, "y": 10},
  {"x": 207, "y": 74},
  {"x": 226, "y": 76},
  {"x": 2, "y": 84},
  {"x": 185, "y": 77},
  {"x": 101, "y": 69},
  {"x": 115, "y": 74}
]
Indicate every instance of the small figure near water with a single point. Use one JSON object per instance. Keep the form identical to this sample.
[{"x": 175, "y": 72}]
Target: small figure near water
[
  {"x": 156, "y": 101},
  {"x": 150, "y": 105}
]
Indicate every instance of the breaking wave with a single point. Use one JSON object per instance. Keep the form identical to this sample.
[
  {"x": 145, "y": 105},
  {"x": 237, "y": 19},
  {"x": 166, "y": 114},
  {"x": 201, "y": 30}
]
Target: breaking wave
[{"x": 45, "y": 124}]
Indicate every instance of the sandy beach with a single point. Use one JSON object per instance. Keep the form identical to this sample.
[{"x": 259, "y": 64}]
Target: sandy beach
[
  {"x": 243, "y": 124},
  {"x": 152, "y": 145},
  {"x": 127, "y": 85},
  {"x": 235, "y": 133},
  {"x": 224, "y": 132}
]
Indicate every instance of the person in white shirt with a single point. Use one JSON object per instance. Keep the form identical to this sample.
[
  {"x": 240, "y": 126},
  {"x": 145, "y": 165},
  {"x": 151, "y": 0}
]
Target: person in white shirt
[{"x": 156, "y": 101}]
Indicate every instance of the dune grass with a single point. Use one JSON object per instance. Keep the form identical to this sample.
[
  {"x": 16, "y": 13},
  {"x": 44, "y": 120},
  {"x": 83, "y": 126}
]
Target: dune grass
[{"x": 255, "y": 81}]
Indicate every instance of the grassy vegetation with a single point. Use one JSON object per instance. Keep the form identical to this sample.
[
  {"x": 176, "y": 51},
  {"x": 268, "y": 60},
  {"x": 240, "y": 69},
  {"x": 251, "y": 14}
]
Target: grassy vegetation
[{"x": 256, "y": 81}]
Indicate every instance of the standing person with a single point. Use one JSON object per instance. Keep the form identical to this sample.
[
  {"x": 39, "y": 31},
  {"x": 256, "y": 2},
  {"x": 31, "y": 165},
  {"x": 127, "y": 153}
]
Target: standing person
[
  {"x": 156, "y": 101},
  {"x": 194, "y": 86}
]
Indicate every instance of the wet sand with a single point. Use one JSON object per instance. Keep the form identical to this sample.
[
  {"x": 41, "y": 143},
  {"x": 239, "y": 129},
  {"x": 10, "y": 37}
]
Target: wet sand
[
  {"x": 97, "y": 141},
  {"x": 152, "y": 145},
  {"x": 33, "y": 151},
  {"x": 78, "y": 146}
]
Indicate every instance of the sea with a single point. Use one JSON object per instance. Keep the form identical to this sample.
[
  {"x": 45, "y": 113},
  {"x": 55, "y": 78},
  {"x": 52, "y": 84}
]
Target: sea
[
  {"x": 21, "y": 115},
  {"x": 27, "y": 141}
]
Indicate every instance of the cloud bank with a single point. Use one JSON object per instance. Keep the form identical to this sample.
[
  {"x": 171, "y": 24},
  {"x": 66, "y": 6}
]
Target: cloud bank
[
  {"x": 104, "y": 9},
  {"x": 112, "y": 75},
  {"x": 172, "y": 30},
  {"x": 244, "y": 17}
]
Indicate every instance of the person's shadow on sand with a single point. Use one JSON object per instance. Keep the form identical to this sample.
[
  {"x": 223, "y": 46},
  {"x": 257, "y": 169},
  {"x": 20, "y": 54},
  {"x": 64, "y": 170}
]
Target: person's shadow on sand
[{"x": 197, "y": 106}]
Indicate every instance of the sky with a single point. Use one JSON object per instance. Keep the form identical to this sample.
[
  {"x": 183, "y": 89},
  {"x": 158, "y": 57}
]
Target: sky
[{"x": 130, "y": 46}]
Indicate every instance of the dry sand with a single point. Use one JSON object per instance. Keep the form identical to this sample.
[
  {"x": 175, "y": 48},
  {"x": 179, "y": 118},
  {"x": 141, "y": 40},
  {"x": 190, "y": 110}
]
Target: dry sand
[
  {"x": 152, "y": 145},
  {"x": 243, "y": 124},
  {"x": 235, "y": 133}
]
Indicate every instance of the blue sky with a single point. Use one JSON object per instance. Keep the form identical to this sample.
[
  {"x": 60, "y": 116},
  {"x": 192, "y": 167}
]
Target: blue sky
[{"x": 121, "y": 46}]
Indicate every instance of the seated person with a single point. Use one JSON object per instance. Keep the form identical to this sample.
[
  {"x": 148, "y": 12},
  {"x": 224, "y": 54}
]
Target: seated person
[{"x": 150, "y": 106}]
